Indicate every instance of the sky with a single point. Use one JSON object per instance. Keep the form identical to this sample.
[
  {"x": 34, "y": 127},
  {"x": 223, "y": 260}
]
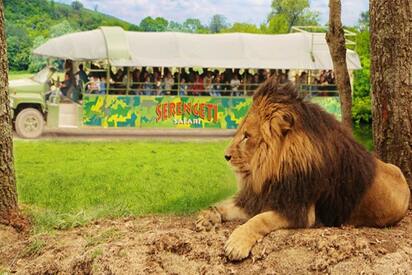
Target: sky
[{"x": 248, "y": 11}]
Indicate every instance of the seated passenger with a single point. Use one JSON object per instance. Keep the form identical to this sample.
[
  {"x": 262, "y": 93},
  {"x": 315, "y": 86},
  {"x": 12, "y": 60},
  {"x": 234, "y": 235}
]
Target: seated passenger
[
  {"x": 66, "y": 85},
  {"x": 147, "y": 86},
  {"x": 102, "y": 85},
  {"x": 168, "y": 83},
  {"x": 198, "y": 85},
  {"x": 207, "y": 83},
  {"x": 94, "y": 85},
  {"x": 217, "y": 86},
  {"x": 234, "y": 85},
  {"x": 183, "y": 87}
]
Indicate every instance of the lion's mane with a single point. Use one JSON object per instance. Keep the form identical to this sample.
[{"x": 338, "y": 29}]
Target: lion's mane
[{"x": 320, "y": 163}]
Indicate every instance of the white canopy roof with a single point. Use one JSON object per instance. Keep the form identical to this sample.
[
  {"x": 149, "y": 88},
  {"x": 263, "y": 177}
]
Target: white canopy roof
[{"x": 170, "y": 49}]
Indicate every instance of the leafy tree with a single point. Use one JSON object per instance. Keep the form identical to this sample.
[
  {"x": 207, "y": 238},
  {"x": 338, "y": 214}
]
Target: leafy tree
[
  {"x": 362, "y": 107},
  {"x": 37, "y": 62},
  {"x": 149, "y": 24},
  {"x": 276, "y": 25},
  {"x": 364, "y": 21},
  {"x": 175, "y": 27},
  {"x": 194, "y": 25},
  {"x": 217, "y": 23},
  {"x": 243, "y": 27},
  {"x": 77, "y": 5},
  {"x": 28, "y": 21},
  {"x": 18, "y": 47},
  {"x": 295, "y": 12}
]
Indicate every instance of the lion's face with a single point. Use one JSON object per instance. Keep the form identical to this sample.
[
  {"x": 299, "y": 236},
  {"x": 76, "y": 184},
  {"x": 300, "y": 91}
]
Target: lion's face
[
  {"x": 256, "y": 149},
  {"x": 244, "y": 144}
]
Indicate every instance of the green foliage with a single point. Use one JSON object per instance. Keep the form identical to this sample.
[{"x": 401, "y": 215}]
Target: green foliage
[
  {"x": 362, "y": 109},
  {"x": 242, "y": 27},
  {"x": 293, "y": 12},
  {"x": 277, "y": 24},
  {"x": 189, "y": 25},
  {"x": 217, "y": 23},
  {"x": 34, "y": 21},
  {"x": 18, "y": 47},
  {"x": 194, "y": 25},
  {"x": 364, "y": 21},
  {"x": 149, "y": 24},
  {"x": 77, "y": 5},
  {"x": 111, "y": 179}
]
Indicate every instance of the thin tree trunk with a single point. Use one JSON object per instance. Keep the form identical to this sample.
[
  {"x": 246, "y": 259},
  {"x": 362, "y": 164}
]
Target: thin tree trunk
[
  {"x": 391, "y": 77},
  {"x": 9, "y": 211},
  {"x": 336, "y": 41}
]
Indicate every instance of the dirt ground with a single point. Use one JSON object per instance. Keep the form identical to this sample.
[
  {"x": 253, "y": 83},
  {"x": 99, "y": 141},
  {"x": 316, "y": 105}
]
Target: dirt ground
[{"x": 170, "y": 245}]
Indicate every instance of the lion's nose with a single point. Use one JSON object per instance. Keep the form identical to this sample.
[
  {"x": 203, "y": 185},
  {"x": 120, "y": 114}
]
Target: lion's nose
[{"x": 228, "y": 157}]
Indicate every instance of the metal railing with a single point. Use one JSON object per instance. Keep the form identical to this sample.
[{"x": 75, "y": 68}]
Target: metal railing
[{"x": 194, "y": 89}]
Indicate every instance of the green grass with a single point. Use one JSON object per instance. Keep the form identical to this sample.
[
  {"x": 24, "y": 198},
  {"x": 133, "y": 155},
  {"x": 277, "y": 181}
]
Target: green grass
[
  {"x": 13, "y": 75},
  {"x": 62, "y": 184}
]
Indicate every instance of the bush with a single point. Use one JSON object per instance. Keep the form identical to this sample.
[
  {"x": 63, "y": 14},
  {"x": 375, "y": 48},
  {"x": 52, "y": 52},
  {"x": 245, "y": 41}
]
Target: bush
[{"x": 362, "y": 110}]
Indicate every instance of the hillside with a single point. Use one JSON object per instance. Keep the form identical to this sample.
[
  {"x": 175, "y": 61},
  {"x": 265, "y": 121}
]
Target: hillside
[{"x": 30, "y": 22}]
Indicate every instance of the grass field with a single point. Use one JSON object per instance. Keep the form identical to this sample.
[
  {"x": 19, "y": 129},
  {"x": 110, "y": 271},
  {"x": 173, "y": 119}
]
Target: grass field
[
  {"x": 64, "y": 184},
  {"x": 18, "y": 75}
]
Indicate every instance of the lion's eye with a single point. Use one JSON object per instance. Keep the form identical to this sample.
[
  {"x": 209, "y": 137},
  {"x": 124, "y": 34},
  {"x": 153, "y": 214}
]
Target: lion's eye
[{"x": 246, "y": 135}]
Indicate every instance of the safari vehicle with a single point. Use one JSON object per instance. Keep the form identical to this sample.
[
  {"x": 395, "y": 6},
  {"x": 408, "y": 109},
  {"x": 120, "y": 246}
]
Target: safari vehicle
[
  {"x": 126, "y": 104},
  {"x": 28, "y": 103}
]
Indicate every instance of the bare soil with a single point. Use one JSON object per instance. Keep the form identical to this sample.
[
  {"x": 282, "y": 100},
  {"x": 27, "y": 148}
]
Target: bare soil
[{"x": 170, "y": 245}]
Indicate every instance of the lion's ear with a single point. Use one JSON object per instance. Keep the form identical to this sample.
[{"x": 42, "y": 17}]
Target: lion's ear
[
  {"x": 278, "y": 125},
  {"x": 286, "y": 123}
]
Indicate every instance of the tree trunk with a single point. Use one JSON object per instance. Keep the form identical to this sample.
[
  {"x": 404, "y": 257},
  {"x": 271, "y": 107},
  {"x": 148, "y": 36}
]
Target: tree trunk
[
  {"x": 391, "y": 77},
  {"x": 337, "y": 48},
  {"x": 9, "y": 211}
]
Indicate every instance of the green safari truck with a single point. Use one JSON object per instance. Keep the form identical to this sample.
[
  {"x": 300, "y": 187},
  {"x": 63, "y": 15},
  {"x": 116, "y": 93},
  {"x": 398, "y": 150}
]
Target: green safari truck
[{"x": 28, "y": 104}]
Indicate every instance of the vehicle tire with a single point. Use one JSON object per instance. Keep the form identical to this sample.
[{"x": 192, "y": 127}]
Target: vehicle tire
[{"x": 29, "y": 123}]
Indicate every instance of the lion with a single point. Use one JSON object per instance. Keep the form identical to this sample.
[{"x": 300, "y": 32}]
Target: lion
[{"x": 297, "y": 167}]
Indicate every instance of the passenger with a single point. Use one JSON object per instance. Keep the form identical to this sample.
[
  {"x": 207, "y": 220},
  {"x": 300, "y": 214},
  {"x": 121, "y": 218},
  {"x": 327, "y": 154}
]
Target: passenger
[
  {"x": 183, "y": 87},
  {"x": 168, "y": 83},
  {"x": 207, "y": 83},
  {"x": 255, "y": 82},
  {"x": 66, "y": 85},
  {"x": 102, "y": 85},
  {"x": 147, "y": 86},
  {"x": 217, "y": 86},
  {"x": 175, "y": 86},
  {"x": 262, "y": 75},
  {"x": 82, "y": 75},
  {"x": 157, "y": 80},
  {"x": 247, "y": 81},
  {"x": 234, "y": 85},
  {"x": 136, "y": 81},
  {"x": 303, "y": 78},
  {"x": 198, "y": 86},
  {"x": 94, "y": 84}
]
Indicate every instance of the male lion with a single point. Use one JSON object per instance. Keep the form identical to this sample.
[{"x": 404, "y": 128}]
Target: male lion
[{"x": 297, "y": 166}]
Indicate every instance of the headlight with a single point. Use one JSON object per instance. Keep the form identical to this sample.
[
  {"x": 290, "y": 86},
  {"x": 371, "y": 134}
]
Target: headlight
[{"x": 11, "y": 102}]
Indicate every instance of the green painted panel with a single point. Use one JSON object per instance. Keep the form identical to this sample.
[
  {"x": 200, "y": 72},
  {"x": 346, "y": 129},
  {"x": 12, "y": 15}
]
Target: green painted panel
[{"x": 174, "y": 111}]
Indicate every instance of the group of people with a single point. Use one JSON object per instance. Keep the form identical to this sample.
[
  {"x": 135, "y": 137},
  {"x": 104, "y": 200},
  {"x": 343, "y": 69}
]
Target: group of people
[
  {"x": 193, "y": 82},
  {"x": 202, "y": 82}
]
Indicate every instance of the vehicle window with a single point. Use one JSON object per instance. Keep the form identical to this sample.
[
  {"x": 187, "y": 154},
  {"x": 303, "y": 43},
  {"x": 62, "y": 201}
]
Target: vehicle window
[{"x": 43, "y": 75}]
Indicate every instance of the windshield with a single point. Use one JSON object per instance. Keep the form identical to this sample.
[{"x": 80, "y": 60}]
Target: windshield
[{"x": 44, "y": 75}]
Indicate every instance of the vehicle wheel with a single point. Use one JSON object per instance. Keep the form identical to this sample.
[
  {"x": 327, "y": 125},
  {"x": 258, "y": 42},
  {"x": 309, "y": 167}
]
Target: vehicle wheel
[{"x": 29, "y": 123}]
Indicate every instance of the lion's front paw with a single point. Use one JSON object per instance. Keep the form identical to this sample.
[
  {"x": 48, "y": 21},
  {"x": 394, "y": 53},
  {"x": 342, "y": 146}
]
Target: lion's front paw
[
  {"x": 208, "y": 219},
  {"x": 239, "y": 244}
]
